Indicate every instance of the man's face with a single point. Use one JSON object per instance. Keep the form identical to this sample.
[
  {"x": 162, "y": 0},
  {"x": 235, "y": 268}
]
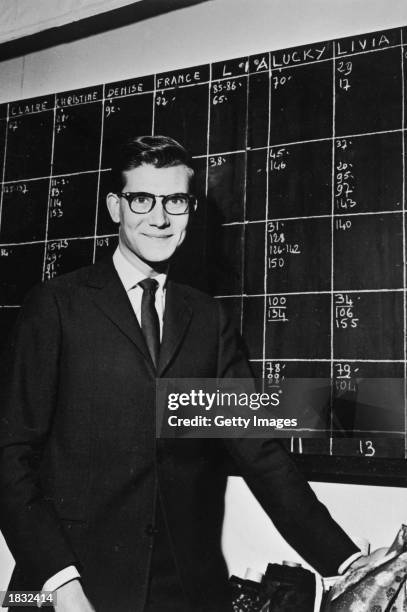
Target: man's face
[{"x": 155, "y": 236}]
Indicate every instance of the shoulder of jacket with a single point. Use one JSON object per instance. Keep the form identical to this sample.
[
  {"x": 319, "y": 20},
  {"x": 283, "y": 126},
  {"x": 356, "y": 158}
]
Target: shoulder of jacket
[
  {"x": 69, "y": 280},
  {"x": 58, "y": 286}
]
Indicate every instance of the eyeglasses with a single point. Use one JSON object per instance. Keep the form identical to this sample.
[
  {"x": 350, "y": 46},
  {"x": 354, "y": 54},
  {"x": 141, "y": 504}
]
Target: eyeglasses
[{"x": 174, "y": 204}]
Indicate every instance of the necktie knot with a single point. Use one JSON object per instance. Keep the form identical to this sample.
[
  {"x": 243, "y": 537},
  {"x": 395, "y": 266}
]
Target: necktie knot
[{"x": 149, "y": 285}]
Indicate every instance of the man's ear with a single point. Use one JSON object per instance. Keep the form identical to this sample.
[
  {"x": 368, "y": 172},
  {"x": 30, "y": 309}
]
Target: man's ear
[{"x": 113, "y": 205}]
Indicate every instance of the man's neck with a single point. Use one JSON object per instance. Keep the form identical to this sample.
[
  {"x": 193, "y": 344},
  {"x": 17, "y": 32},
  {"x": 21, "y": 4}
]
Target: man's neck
[{"x": 142, "y": 266}]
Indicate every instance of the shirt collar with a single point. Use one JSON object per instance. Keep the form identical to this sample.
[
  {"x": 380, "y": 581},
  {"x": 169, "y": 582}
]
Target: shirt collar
[{"x": 130, "y": 275}]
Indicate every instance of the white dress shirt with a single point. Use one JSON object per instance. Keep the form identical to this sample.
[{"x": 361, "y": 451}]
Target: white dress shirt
[{"x": 130, "y": 276}]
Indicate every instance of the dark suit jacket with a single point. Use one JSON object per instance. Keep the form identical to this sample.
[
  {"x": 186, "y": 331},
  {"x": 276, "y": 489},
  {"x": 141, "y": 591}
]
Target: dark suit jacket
[{"x": 80, "y": 465}]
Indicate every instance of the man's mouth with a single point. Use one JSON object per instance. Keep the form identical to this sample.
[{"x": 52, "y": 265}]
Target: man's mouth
[{"x": 161, "y": 237}]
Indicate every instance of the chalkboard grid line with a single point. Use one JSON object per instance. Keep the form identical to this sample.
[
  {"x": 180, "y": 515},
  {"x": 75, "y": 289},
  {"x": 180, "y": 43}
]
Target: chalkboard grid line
[
  {"x": 394, "y": 432},
  {"x": 331, "y": 399},
  {"x": 327, "y": 139},
  {"x": 196, "y": 84},
  {"x": 42, "y": 178},
  {"x": 153, "y": 109},
  {"x": 51, "y": 109},
  {"x": 328, "y": 360},
  {"x": 229, "y": 295},
  {"x": 404, "y": 239},
  {"x": 50, "y": 240},
  {"x": 207, "y": 154},
  {"x": 279, "y": 69},
  {"x": 44, "y": 263},
  {"x": 266, "y": 205},
  {"x": 66, "y": 106},
  {"x": 360, "y": 431},
  {"x": 102, "y": 125},
  {"x": 321, "y": 216},
  {"x": 3, "y": 170},
  {"x": 317, "y": 292},
  {"x": 241, "y": 75},
  {"x": 208, "y": 131},
  {"x": 243, "y": 253}
]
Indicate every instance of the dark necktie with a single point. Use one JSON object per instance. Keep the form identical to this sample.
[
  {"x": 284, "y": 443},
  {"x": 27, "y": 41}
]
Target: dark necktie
[{"x": 150, "y": 325}]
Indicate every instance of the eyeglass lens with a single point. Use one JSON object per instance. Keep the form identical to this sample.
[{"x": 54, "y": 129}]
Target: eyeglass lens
[{"x": 173, "y": 204}]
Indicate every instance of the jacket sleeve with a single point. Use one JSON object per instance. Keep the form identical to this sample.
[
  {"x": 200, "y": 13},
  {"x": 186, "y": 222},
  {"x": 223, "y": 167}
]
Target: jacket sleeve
[
  {"x": 276, "y": 482},
  {"x": 28, "y": 391}
]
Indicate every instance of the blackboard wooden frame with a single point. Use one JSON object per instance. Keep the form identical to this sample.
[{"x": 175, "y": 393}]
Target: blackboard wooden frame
[
  {"x": 90, "y": 26},
  {"x": 354, "y": 470}
]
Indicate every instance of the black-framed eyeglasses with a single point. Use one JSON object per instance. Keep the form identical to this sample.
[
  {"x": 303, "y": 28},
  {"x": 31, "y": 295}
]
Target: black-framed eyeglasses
[{"x": 174, "y": 203}]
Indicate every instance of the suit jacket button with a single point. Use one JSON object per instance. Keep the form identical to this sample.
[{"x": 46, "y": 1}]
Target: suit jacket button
[{"x": 151, "y": 530}]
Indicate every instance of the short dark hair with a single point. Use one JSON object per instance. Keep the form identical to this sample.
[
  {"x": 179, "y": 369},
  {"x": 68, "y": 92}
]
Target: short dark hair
[{"x": 158, "y": 151}]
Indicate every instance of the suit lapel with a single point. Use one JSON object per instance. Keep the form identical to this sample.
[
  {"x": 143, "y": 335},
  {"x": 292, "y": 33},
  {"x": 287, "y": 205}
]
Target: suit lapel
[
  {"x": 112, "y": 299},
  {"x": 177, "y": 316}
]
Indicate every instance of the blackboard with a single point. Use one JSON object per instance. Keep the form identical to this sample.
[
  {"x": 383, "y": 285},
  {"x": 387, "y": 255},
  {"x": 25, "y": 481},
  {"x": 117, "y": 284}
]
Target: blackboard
[{"x": 301, "y": 229}]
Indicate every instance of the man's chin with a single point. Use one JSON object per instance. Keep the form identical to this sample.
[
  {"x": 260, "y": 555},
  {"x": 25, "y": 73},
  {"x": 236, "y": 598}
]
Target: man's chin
[{"x": 156, "y": 260}]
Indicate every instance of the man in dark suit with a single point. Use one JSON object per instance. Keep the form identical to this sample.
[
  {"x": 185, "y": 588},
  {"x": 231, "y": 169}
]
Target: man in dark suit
[{"x": 93, "y": 506}]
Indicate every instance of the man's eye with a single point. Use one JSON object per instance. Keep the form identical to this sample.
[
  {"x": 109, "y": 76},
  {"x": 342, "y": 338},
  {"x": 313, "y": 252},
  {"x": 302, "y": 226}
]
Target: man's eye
[
  {"x": 177, "y": 200},
  {"x": 141, "y": 200}
]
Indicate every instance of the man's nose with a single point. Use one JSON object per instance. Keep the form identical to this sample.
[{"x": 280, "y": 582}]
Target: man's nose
[{"x": 158, "y": 216}]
